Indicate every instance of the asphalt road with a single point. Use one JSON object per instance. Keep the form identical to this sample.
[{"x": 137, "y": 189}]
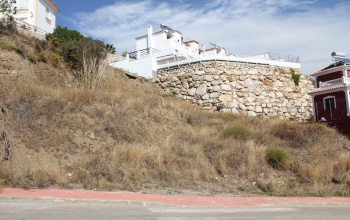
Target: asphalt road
[{"x": 52, "y": 208}]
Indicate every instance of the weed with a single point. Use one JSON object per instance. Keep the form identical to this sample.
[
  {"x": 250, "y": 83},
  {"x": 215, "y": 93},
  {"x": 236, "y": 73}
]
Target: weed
[
  {"x": 237, "y": 132},
  {"x": 1, "y": 184},
  {"x": 266, "y": 187},
  {"x": 302, "y": 135},
  {"x": 277, "y": 157},
  {"x": 92, "y": 72},
  {"x": 32, "y": 58},
  {"x": 295, "y": 76},
  {"x": 241, "y": 188},
  {"x": 11, "y": 48},
  {"x": 189, "y": 120}
]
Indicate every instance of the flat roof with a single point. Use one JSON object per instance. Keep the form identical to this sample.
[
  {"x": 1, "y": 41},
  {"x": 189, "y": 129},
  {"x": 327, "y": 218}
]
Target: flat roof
[{"x": 156, "y": 33}]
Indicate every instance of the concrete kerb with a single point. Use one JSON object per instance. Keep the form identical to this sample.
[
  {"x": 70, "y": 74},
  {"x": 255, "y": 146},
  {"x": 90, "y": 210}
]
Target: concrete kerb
[{"x": 129, "y": 198}]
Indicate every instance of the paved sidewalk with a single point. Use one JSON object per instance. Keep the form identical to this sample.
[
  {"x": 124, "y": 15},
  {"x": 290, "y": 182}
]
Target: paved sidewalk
[{"x": 198, "y": 201}]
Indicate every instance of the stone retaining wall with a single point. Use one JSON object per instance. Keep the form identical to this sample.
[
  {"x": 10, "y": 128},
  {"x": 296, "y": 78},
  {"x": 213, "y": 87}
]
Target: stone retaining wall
[{"x": 252, "y": 89}]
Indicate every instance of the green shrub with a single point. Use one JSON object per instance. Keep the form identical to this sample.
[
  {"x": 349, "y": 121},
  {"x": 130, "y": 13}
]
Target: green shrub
[
  {"x": 236, "y": 132},
  {"x": 266, "y": 187},
  {"x": 189, "y": 120},
  {"x": 276, "y": 157},
  {"x": 11, "y": 48},
  {"x": 73, "y": 47},
  {"x": 54, "y": 59},
  {"x": 295, "y": 77},
  {"x": 32, "y": 58},
  {"x": 42, "y": 57}
]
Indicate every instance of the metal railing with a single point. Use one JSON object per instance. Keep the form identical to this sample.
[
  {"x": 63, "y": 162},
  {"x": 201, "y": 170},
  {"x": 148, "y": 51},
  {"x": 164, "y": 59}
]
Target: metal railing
[
  {"x": 29, "y": 27},
  {"x": 331, "y": 83},
  {"x": 145, "y": 53},
  {"x": 343, "y": 80},
  {"x": 284, "y": 57},
  {"x": 172, "y": 55}
]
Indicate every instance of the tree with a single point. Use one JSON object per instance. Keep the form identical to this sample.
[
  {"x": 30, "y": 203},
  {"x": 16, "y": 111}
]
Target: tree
[
  {"x": 8, "y": 10},
  {"x": 109, "y": 48},
  {"x": 71, "y": 45},
  {"x": 87, "y": 57},
  {"x": 61, "y": 35}
]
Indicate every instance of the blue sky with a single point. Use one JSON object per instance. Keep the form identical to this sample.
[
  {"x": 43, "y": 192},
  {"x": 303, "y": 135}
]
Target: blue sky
[{"x": 311, "y": 29}]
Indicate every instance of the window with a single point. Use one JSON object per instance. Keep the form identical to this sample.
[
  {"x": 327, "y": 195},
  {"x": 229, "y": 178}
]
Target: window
[
  {"x": 329, "y": 103},
  {"x": 48, "y": 19}
]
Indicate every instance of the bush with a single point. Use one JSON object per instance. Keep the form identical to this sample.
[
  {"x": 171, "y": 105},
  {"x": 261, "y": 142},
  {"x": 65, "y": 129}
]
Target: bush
[
  {"x": 32, "y": 58},
  {"x": 1, "y": 184},
  {"x": 300, "y": 135},
  {"x": 276, "y": 157},
  {"x": 266, "y": 187},
  {"x": 73, "y": 46},
  {"x": 11, "y": 48},
  {"x": 237, "y": 132},
  {"x": 295, "y": 77}
]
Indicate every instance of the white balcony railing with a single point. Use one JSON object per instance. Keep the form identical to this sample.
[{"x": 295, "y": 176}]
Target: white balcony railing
[{"x": 334, "y": 82}]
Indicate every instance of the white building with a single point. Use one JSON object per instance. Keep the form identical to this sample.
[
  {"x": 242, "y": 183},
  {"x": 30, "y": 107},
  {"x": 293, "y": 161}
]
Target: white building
[
  {"x": 166, "y": 48},
  {"x": 37, "y": 14}
]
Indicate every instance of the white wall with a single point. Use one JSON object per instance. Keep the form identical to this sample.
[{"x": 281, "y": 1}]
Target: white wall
[
  {"x": 162, "y": 43},
  {"x": 46, "y": 19},
  {"x": 38, "y": 13},
  {"x": 26, "y": 11},
  {"x": 141, "y": 43},
  {"x": 144, "y": 67}
]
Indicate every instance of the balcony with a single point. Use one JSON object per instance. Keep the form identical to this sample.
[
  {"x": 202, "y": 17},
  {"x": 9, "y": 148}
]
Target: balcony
[{"x": 343, "y": 80}]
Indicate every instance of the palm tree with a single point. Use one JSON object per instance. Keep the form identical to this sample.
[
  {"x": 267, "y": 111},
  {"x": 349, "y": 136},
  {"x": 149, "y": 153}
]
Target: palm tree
[{"x": 109, "y": 48}]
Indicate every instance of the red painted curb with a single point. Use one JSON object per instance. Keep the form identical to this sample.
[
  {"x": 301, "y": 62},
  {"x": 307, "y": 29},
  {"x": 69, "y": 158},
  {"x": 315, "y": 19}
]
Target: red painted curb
[{"x": 202, "y": 201}]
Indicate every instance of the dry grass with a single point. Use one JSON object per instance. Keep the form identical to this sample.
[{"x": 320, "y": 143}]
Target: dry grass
[
  {"x": 130, "y": 136},
  {"x": 143, "y": 141}
]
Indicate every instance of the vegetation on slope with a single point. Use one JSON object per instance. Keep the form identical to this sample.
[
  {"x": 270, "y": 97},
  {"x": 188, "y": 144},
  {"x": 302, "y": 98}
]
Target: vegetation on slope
[{"x": 130, "y": 136}]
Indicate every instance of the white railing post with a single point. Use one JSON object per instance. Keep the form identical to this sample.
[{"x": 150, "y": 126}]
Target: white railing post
[{"x": 138, "y": 55}]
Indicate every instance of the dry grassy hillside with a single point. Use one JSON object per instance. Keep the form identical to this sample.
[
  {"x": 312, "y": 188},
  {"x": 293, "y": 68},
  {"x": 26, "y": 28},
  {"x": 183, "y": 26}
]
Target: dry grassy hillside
[{"x": 130, "y": 136}]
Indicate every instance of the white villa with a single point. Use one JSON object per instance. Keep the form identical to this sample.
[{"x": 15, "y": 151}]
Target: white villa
[
  {"x": 166, "y": 48},
  {"x": 37, "y": 14}
]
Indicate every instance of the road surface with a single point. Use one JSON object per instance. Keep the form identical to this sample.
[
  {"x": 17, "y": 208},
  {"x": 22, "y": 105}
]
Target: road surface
[{"x": 80, "y": 204}]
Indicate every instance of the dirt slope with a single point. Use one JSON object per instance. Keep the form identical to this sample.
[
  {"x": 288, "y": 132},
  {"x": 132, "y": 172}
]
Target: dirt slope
[{"x": 131, "y": 136}]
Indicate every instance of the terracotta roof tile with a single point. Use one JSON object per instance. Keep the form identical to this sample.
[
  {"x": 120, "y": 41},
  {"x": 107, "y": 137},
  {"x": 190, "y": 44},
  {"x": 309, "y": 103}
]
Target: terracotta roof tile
[
  {"x": 327, "y": 88},
  {"x": 329, "y": 67}
]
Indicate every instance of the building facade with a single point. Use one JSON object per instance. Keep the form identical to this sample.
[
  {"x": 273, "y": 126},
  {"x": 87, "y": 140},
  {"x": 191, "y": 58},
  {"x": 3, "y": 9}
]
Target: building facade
[
  {"x": 166, "y": 49},
  {"x": 37, "y": 14},
  {"x": 331, "y": 94}
]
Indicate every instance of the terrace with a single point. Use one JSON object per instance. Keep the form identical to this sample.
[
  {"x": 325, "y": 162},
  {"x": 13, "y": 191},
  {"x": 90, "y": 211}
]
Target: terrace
[{"x": 343, "y": 80}]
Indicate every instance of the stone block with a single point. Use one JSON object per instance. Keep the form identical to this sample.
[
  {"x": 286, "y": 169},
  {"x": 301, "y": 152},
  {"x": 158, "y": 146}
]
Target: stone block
[
  {"x": 225, "y": 98},
  {"x": 196, "y": 78},
  {"x": 252, "y": 114},
  {"x": 205, "y": 97},
  {"x": 258, "y": 109},
  {"x": 214, "y": 95},
  {"x": 192, "y": 91},
  {"x": 201, "y": 90},
  {"x": 226, "y": 87},
  {"x": 241, "y": 106},
  {"x": 208, "y": 78}
]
